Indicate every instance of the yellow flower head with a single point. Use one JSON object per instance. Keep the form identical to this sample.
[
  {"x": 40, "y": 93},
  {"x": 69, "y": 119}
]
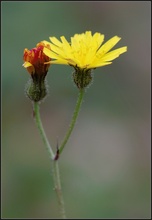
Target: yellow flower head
[
  {"x": 85, "y": 51},
  {"x": 35, "y": 58}
]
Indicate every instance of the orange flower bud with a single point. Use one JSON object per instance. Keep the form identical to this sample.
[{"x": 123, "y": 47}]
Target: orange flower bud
[{"x": 35, "y": 59}]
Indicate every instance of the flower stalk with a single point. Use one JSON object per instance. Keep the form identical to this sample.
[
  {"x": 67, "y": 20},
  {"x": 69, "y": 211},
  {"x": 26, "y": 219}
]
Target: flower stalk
[
  {"x": 55, "y": 166},
  {"x": 41, "y": 129},
  {"x": 57, "y": 187},
  {"x": 73, "y": 121}
]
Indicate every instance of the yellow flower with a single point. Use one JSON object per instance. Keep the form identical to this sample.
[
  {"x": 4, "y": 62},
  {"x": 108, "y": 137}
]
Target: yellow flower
[
  {"x": 34, "y": 60},
  {"x": 85, "y": 51}
]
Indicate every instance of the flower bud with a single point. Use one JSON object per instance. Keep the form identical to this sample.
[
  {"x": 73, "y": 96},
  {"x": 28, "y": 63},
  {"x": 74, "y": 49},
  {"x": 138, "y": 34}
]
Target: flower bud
[
  {"x": 36, "y": 90},
  {"x": 35, "y": 63}
]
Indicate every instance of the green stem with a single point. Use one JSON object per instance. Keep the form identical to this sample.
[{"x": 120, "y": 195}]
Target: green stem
[
  {"x": 41, "y": 129},
  {"x": 56, "y": 174},
  {"x": 57, "y": 183},
  {"x": 73, "y": 121}
]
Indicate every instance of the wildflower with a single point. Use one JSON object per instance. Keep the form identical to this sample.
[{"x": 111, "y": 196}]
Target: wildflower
[
  {"x": 34, "y": 60},
  {"x": 84, "y": 52}
]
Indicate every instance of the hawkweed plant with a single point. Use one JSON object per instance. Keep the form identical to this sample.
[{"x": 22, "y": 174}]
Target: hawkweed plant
[{"x": 84, "y": 53}]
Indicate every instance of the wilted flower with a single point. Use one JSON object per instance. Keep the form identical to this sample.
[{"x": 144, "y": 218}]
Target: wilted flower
[
  {"x": 35, "y": 59},
  {"x": 34, "y": 62}
]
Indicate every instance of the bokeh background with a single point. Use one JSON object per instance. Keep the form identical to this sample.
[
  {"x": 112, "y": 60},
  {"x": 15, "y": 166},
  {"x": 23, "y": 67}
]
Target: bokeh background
[{"x": 105, "y": 167}]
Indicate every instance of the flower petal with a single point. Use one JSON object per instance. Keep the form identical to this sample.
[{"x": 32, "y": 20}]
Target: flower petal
[
  {"x": 114, "y": 54},
  {"x": 27, "y": 64},
  {"x": 108, "y": 45},
  {"x": 56, "y": 41},
  {"x": 99, "y": 64}
]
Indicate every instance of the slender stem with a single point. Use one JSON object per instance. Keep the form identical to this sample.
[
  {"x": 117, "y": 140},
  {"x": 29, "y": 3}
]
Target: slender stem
[
  {"x": 57, "y": 183},
  {"x": 73, "y": 121},
  {"x": 41, "y": 129},
  {"x": 55, "y": 168}
]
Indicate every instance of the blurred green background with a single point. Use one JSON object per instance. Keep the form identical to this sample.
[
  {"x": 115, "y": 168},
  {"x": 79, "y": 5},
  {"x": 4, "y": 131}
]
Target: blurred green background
[{"x": 105, "y": 167}]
